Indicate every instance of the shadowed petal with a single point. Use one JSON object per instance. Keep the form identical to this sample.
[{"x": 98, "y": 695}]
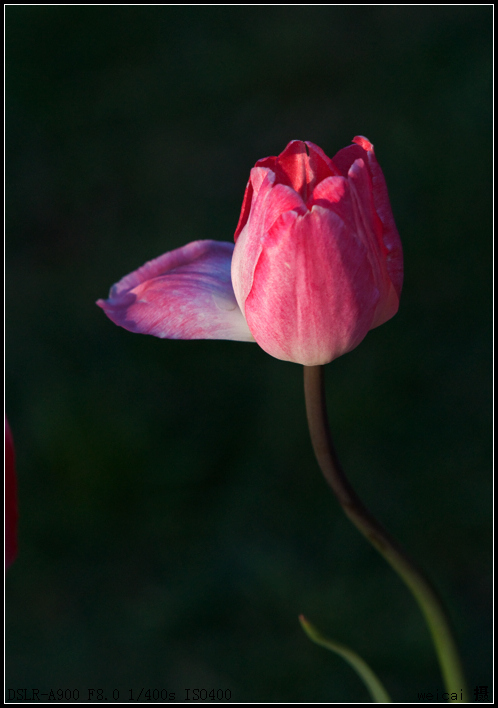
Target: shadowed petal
[
  {"x": 184, "y": 294},
  {"x": 370, "y": 230},
  {"x": 344, "y": 159}
]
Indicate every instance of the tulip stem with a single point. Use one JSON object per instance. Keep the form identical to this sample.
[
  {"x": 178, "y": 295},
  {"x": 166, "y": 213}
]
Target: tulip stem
[{"x": 426, "y": 596}]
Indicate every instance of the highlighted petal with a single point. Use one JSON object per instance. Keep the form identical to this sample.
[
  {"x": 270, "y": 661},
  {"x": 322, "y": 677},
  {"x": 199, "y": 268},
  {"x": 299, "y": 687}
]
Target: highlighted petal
[
  {"x": 313, "y": 294},
  {"x": 184, "y": 294}
]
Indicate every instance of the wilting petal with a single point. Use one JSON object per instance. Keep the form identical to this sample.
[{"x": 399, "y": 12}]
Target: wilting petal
[
  {"x": 184, "y": 294},
  {"x": 11, "y": 512}
]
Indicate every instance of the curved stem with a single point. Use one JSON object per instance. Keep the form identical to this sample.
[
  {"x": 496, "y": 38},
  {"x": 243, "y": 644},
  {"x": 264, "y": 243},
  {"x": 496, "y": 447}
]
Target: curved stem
[
  {"x": 371, "y": 681},
  {"x": 421, "y": 588}
]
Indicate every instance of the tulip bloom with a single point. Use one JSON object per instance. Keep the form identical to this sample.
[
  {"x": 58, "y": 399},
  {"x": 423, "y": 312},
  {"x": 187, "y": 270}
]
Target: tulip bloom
[
  {"x": 317, "y": 263},
  {"x": 10, "y": 499}
]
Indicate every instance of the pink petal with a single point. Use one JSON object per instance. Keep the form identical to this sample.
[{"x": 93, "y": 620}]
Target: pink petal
[
  {"x": 264, "y": 180},
  {"x": 323, "y": 166},
  {"x": 302, "y": 166},
  {"x": 363, "y": 149},
  {"x": 345, "y": 158},
  {"x": 370, "y": 230},
  {"x": 390, "y": 236},
  {"x": 332, "y": 191},
  {"x": 11, "y": 512},
  {"x": 268, "y": 203},
  {"x": 184, "y": 294},
  {"x": 295, "y": 169},
  {"x": 245, "y": 210},
  {"x": 352, "y": 200},
  {"x": 313, "y": 295}
]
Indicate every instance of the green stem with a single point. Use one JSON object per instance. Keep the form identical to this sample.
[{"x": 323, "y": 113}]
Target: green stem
[
  {"x": 421, "y": 588},
  {"x": 373, "y": 684}
]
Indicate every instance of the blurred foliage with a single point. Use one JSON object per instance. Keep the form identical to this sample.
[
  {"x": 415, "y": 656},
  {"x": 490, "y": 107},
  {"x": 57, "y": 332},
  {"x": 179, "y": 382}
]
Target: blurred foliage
[{"x": 174, "y": 523}]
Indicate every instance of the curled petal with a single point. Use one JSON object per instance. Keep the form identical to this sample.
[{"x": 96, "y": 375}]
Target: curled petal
[{"x": 184, "y": 294}]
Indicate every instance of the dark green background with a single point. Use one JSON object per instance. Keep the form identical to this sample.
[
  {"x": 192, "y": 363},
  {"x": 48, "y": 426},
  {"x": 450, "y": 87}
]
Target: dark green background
[{"x": 173, "y": 521}]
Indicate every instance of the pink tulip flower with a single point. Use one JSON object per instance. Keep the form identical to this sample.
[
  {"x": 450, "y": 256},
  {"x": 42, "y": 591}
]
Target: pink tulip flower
[
  {"x": 10, "y": 499},
  {"x": 317, "y": 263}
]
